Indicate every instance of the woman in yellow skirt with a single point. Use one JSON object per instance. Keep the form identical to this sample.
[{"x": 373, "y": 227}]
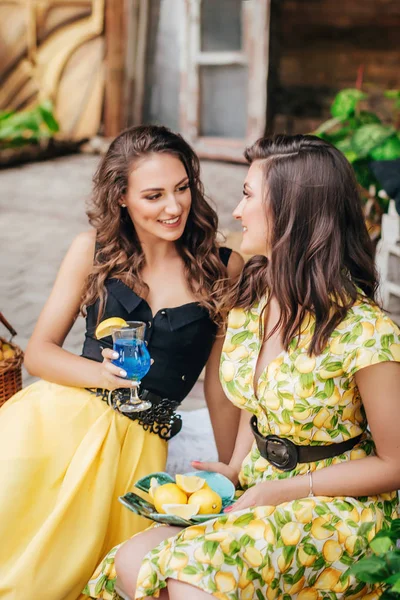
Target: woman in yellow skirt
[
  {"x": 66, "y": 455},
  {"x": 313, "y": 363}
]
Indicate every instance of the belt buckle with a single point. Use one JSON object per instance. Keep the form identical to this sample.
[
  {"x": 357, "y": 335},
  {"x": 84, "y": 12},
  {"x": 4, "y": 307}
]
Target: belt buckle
[{"x": 281, "y": 453}]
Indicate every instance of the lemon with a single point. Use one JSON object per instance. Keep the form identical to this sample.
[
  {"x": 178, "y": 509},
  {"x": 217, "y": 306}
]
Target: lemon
[
  {"x": 225, "y": 582},
  {"x": 383, "y": 326},
  {"x": 395, "y": 350},
  {"x": 332, "y": 551},
  {"x": 189, "y": 483},
  {"x": 292, "y": 590},
  {"x": 248, "y": 592},
  {"x": 169, "y": 493},
  {"x": 237, "y": 318},
  {"x": 327, "y": 579},
  {"x": 227, "y": 371},
  {"x": 304, "y": 363},
  {"x": 268, "y": 574},
  {"x": 181, "y": 510},
  {"x": 178, "y": 561},
  {"x": 318, "y": 530},
  {"x": 105, "y": 328},
  {"x": 290, "y": 534},
  {"x": 253, "y": 556},
  {"x": 209, "y": 501},
  {"x": 306, "y": 560}
]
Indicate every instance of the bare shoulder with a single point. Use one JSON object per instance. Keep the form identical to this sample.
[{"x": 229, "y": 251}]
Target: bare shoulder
[
  {"x": 81, "y": 252},
  {"x": 84, "y": 242},
  {"x": 235, "y": 265}
]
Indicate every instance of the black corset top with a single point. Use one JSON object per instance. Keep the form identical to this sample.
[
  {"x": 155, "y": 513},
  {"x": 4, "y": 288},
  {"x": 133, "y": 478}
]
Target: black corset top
[{"x": 179, "y": 339}]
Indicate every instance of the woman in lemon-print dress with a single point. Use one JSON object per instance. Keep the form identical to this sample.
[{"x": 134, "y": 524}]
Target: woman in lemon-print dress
[{"x": 309, "y": 372}]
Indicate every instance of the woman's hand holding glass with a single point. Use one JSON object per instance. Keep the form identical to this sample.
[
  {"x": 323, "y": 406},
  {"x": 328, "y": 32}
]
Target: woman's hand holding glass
[{"x": 113, "y": 377}]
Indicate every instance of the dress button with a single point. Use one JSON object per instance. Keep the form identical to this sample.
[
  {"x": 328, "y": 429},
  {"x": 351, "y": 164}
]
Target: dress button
[
  {"x": 183, "y": 377},
  {"x": 163, "y": 312},
  {"x": 149, "y": 324}
]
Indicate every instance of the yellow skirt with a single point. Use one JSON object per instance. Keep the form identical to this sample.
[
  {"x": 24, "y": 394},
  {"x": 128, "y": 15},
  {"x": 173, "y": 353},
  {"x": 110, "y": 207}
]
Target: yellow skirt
[{"x": 65, "y": 457}]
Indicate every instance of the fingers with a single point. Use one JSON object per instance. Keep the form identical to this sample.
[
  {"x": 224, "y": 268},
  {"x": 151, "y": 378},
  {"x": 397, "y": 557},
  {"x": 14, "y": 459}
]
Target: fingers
[
  {"x": 109, "y": 354},
  {"x": 208, "y": 466},
  {"x": 245, "y": 501}
]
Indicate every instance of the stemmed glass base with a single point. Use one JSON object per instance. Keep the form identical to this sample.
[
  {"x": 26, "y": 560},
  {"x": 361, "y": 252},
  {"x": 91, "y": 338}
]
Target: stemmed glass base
[{"x": 135, "y": 403}]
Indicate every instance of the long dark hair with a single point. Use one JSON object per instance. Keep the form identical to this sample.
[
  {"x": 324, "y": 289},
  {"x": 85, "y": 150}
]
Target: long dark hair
[
  {"x": 321, "y": 252},
  {"x": 119, "y": 253}
]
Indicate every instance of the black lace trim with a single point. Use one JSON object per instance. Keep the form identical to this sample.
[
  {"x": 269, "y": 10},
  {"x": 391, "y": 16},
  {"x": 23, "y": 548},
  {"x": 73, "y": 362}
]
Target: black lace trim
[{"x": 160, "y": 419}]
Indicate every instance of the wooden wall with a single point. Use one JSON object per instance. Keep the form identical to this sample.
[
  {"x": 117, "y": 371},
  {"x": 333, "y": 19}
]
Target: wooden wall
[
  {"x": 317, "y": 47},
  {"x": 54, "y": 50}
]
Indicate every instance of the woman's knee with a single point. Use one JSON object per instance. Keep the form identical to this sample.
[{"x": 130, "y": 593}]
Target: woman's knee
[{"x": 129, "y": 557}]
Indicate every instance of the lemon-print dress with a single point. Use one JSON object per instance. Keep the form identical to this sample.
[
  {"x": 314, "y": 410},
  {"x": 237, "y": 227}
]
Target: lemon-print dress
[{"x": 299, "y": 549}]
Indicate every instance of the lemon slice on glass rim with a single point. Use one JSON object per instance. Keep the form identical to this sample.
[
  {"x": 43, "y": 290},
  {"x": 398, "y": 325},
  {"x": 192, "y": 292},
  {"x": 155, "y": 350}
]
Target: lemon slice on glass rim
[
  {"x": 185, "y": 511},
  {"x": 106, "y": 327}
]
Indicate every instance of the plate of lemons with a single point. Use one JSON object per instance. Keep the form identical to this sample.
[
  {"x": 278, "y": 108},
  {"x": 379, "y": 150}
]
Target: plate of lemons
[{"x": 188, "y": 499}]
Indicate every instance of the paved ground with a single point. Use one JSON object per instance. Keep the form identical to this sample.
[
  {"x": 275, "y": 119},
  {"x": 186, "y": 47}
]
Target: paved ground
[{"x": 42, "y": 208}]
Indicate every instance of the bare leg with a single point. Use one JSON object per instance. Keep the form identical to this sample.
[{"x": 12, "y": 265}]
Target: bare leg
[
  {"x": 129, "y": 557},
  {"x": 182, "y": 591}
]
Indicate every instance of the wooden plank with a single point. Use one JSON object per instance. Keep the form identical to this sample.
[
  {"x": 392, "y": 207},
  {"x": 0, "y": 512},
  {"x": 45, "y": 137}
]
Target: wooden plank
[
  {"x": 140, "y": 61},
  {"x": 115, "y": 34},
  {"x": 258, "y": 42},
  {"x": 221, "y": 58}
]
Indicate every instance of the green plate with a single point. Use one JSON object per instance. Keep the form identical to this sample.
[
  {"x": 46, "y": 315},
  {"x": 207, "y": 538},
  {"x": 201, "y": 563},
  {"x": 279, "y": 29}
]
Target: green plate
[{"x": 219, "y": 483}]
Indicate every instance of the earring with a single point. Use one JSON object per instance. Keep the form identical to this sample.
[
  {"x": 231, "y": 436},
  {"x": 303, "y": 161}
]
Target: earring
[{"x": 123, "y": 205}]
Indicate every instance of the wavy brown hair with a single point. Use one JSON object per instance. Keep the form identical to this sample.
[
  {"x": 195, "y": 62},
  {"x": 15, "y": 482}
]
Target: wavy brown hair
[
  {"x": 321, "y": 253},
  {"x": 118, "y": 250}
]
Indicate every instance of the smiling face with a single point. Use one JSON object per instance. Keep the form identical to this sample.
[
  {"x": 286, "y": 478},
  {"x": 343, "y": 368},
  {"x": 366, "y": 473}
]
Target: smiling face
[
  {"x": 252, "y": 210},
  {"x": 158, "y": 199}
]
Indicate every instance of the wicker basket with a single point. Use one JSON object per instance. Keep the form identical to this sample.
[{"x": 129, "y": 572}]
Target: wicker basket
[{"x": 10, "y": 366}]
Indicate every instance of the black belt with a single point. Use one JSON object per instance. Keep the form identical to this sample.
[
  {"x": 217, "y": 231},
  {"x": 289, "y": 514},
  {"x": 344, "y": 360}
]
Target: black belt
[
  {"x": 160, "y": 419},
  {"x": 284, "y": 454}
]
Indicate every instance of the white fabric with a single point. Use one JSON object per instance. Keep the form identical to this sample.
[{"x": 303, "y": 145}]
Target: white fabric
[{"x": 195, "y": 441}]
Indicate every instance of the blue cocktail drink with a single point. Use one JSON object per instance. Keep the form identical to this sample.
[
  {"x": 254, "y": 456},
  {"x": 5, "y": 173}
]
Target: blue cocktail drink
[{"x": 134, "y": 358}]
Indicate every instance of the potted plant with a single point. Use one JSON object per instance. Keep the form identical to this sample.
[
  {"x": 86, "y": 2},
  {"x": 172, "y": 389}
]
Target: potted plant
[
  {"x": 367, "y": 140},
  {"x": 383, "y": 565}
]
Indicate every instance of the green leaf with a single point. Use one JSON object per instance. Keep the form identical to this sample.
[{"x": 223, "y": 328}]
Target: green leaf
[
  {"x": 388, "y": 150},
  {"x": 364, "y": 529},
  {"x": 393, "y": 560},
  {"x": 365, "y": 117},
  {"x": 329, "y": 388},
  {"x": 380, "y": 545},
  {"x": 310, "y": 549},
  {"x": 369, "y": 343},
  {"x": 299, "y": 574},
  {"x": 370, "y": 570},
  {"x": 345, "y": 103},
  {"x": 239, "y": 338},
  {"x": 190, "y": 570},
  {"x": 368, "y": 137},
  {"x": 244, "y": 520},
  {"x": 110, "y": 585},
  {"x": 100, "y": 584},
  {"x": 46, "y": 111},
  {"x": 252, "y": 574},
  {"x": 288, "y": 553},
  {"x": 333, "y": 366},
  {"x": 321, "y": 510}
]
